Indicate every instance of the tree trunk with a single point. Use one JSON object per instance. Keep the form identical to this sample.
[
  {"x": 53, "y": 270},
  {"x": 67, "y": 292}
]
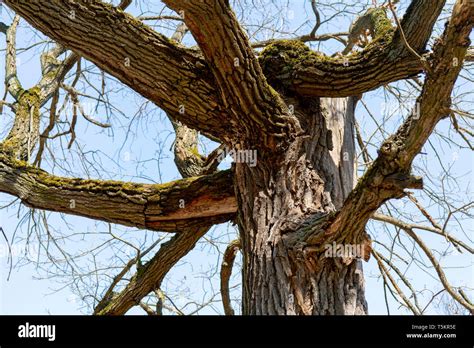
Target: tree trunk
[{"x": 312, "y": 178}]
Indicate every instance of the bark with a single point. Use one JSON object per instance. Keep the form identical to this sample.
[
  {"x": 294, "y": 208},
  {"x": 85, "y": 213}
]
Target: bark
[
  {"x": 149, "y": 277},
  {"x": 187, "y": 158},
  {"x": 151, "y": 274},
  {"x": 389, "y": 175},
  {"x": 293, "y": 65},
  {"x": 299, "y": 198},
  {"x": 167, "y": 207},
  {"x": 192, "y": 88},
  {"x": 162, "y": 71},
  {"x": 24, "y": 134},
  {"x": 251, "y": 101},
  {"x": 312, "y": 178},
  {"x": 226, "y": 273},
  {"x": 11, "y": 78}
]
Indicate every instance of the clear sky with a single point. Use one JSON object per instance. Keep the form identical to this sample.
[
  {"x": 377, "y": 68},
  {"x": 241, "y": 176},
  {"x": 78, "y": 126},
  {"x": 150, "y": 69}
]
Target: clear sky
[{"x": 137, "y": 148}]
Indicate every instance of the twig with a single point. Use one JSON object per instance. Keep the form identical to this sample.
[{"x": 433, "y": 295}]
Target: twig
[{"x": 394, "y": 284}]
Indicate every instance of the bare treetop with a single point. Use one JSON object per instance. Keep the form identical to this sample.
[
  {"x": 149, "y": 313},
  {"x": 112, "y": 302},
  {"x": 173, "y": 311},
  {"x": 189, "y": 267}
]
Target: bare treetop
[{"x": 316, "y": 174}]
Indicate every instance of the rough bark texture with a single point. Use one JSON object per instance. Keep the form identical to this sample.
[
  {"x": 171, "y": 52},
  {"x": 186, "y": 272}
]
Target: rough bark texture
[
  {"x": 251, "y": 101},
  {"x": 150, "y": 275},
  {"x": 159, "y": 69},
  {"x": 24, "y": 134},
  {"x": 300, "y": 196},
  {"x": 390, "y": 174},
  {"x": 311, "y": 179},
  {"x": 170, "y": 207},
  {"x": 386, "y": 59}
]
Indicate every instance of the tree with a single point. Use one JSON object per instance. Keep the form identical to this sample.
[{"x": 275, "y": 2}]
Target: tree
[{"x": 291, "y": 105}]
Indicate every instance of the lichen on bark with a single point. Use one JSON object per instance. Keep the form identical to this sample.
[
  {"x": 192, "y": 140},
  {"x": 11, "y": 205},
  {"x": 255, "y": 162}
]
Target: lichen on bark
[{"x": 25, "y": 131}]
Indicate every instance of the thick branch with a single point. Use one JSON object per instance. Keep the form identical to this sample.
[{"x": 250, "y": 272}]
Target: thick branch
[
  {"x": 389, "y": 175},
  {"x": 174, "y": 78},
  {"x": 241, "y": 83},
  {"x": 189, "y": 163},
  {"x": 24, "y": 134},
  {"x": 417, "y": 23},
  {"x": 186, "y": 153},
  {"x": 124, "y": 4},
  {"x": 180, "y": 82},
  {"x": 294, "y": 66},
  {"x": 151, "y": 274},
  {"x": 167, "y": 207},
  {"x": 305, "y": 38}
]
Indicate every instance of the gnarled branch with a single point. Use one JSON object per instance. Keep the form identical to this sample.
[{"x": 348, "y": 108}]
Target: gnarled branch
[
  {"x": 292, "y": 65},
  {"x": 389, "y": 175},
  {"x": 226, "y": 272},
  {"x": 168, "y": 207},
  {"x": 174, "y": 78},
  {"x": 239, "y": 77}
]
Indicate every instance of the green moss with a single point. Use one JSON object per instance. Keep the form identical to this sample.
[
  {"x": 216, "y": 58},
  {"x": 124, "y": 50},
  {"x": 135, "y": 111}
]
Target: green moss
[
  {"x": 15, "y": 143},
  {"x": 284, "y": 56},
  {"x": 382, "y": 24},
  {"x": 281, "y": 58},
  {"x": 383, "y": 28},
  {"x": 288, "y": 52},
  {"x": 195, "y": 151}
]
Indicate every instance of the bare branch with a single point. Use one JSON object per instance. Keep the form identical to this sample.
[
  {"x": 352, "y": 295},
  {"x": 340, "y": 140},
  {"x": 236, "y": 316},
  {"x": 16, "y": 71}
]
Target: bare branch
[
  {"x": 226, "y": 272},
  {"x": 438, "y": 231},
  {"x": 440, "y": 272},
  {"x": 54, "y": 72},
  {"x": 305, "y": 38},
  {"x": 389, "y": 176},
  {"x": 150, "y": 275},
  {"x": 174, "y": 78},
  {"x": 470, "y": 55},
  {"x": 11, "y": 78},
  {"x": 48, "y": 129},
  {"x": 74, "y": 98},
  {"x": 294, "y": 66},
  {"x": 158, "y": 18},
  {"x": 147, "y": 309},
  {"x": 417, "y": 24},
  {"x": 169, "y": 207},
  {"x": 401, "y": 32},
  {"x": 384, "y": 270},
  {"x": 318, "y": 18},
  {"x": 124, "y": 4}
]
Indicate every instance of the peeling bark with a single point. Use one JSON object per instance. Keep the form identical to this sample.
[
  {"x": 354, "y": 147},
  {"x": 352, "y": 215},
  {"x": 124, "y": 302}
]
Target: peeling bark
[
  {"x": 299, "y": 198},
  {"x": 167, "y": 207}
]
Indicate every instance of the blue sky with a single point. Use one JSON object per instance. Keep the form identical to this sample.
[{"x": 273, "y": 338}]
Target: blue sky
[{"x": 137, "y": 148}]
